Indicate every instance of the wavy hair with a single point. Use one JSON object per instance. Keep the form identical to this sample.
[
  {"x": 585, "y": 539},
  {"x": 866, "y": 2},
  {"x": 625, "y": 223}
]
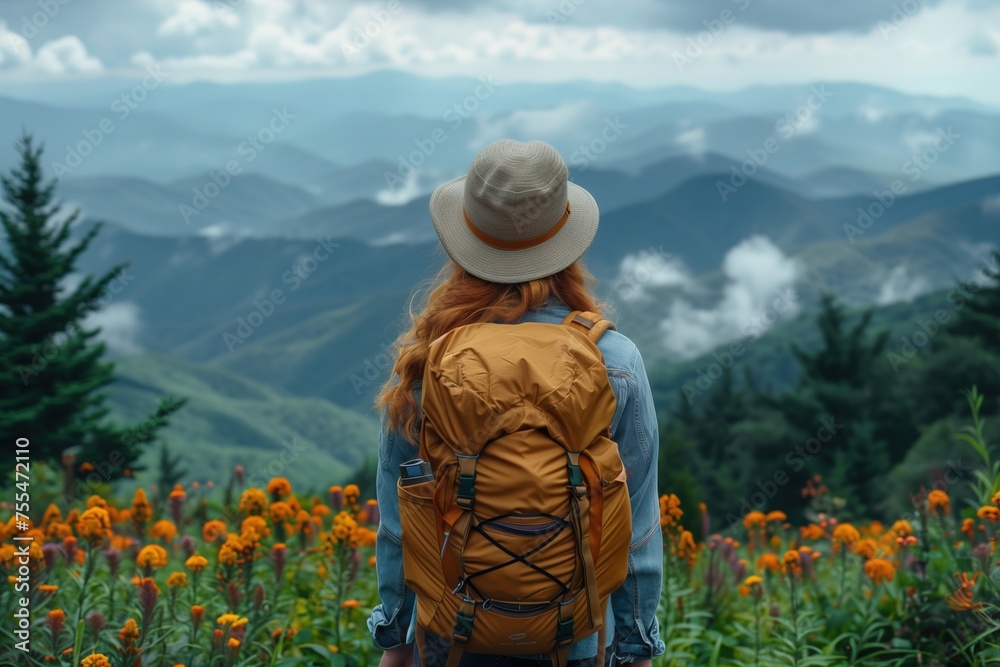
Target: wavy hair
[{"x": 456, "y": 298}]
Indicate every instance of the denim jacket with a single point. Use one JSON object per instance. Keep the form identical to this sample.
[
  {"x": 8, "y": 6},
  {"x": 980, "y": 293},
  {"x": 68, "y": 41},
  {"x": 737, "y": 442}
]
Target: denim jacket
[{"x": 633, "y": 630}]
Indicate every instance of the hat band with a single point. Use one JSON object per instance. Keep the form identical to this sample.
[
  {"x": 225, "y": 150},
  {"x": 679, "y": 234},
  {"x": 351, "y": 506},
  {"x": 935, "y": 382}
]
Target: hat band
[{"x": 522, "y": 244}]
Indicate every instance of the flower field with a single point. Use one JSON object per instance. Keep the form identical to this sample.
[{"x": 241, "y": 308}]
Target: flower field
[{"x": 269, "y": 577}]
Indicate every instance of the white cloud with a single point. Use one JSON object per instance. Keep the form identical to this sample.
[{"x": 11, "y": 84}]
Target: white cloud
[
  {"x": 692, "y": 141},
  {"x": 409, "y": 191},
  {"x": 120, "y": 324},
  {"x": 66, "y": 54},
  {"x": 649, "y": 268},
  {"x": 566, "y": 121},
  {"x": 758, "y": 292},
  {"x": 899, "y": 285},
  {"x": 194, "y": 16}
]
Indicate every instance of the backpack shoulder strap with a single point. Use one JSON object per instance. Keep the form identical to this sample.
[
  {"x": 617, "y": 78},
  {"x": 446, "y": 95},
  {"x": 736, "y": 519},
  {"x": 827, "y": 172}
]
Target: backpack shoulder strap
[{"x": 589, "y": 323}]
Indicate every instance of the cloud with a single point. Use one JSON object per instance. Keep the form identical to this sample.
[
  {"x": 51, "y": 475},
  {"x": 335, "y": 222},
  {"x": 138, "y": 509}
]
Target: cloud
[
  {"x": 791, "y": 16},
  {"x": 649, "y": 268},
  {"x": 409, "y": 191},
  {"x": 899, "y": 285},
  {"x": 982, "y": 44},
  {"x": 120, "y": 324},
  {"x": 66, "y": 54},
  {"x": 194, "y": 16},
  {"x": 758, "y": 292}
]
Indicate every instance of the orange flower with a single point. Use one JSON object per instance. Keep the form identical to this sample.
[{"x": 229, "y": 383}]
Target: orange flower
[
  {"x": 254, "y": 529},
  {"x": 196, "y": 563},
  {"x": 902, "y": 528},
  {"x": 845, "y": 533},
  {"x": 141, "y": 510},
  {"x": 279, "y": 511},
  {"x": 95, "y": 660},
  {"x": 962, "y": 598},
  {"x": 177, "y": 580},
  {"x": 686, "y": 547},
  {"x": 670, "y": 510},
  {"x": 879, "y": 570},
  {"x": 164, "y": 530},
  {"x": 129, "y": 633},
  {"x": 152, "y": 555},
  {"x": 253, "y": 501},
  {"x": 988, "y": 513},
  {"x": 812, "y": 532},
  {"x": 768, "y": 561},
  {"x": 752, "y": 584},
  {"x": 350, "y": 604},
  {"x": 234, "y": 643},
  {"x": 48, "y": 588},
  {"x": 866, "y": 548},
  {"x": 996, "y": 499},
  {"x": 213, "y": 529},
  {"x": 791, "y": 561},
  {"x": 969, "y": 528},
  {"x": 197, "y": 611},
  {"x": 279, "y": 487},
  {"x": 754, "y": 518},
  {"x": 776, "y": 515},
  {"x": 938, "y": 502},
  {"x": 95, "y": 524}
]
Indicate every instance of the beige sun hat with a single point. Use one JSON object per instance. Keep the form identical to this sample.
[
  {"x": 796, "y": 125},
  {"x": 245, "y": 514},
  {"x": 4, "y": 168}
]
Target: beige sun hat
[{"x": 515, "y": 216}]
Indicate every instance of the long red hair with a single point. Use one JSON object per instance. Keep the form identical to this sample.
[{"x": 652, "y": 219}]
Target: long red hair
[{"x": 456, "y": 298}]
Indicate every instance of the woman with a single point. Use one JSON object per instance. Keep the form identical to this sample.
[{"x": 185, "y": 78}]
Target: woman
[{"x": 515, "y": 229}]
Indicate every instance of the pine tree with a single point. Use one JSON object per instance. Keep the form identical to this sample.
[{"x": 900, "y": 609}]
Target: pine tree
[
  {"x": 836, "y": 406},
  {"x": 977, "y": 308},
  {"x": 52, "y": 388}
]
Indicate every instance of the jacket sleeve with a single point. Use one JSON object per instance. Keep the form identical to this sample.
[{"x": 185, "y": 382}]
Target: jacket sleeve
[
  {"x": 634, "y": 605},
  {"x": 390, "y": 620}
]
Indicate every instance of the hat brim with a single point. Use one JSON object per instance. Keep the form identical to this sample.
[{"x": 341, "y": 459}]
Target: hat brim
[{"x": 512, "y": 266}]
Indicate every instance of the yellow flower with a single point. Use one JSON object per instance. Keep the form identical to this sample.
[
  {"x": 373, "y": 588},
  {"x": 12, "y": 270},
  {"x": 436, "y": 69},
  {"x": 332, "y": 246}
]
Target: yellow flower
[
  {"x": 938, "y": 502},
  {"x": 152, "y": 555},
  {"x": 177, "y": 580},
  {"x": 753, "y": 580},
  {"x": 164, "y": 530},
  {"x": 879, "y": 570},
  {"x": 231, "y": 620},
  {"x": 279, "y": 487}
]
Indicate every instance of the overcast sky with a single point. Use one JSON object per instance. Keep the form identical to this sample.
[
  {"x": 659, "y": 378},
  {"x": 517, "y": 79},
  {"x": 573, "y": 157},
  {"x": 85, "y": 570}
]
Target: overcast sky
[{"x": 944, "y": 47}]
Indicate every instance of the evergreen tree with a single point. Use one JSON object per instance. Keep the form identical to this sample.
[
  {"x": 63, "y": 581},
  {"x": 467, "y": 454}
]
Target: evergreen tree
[
  {"x": 53, "y": 380},
  {"x": 836, "y": 407},
  {"x": 169, "y": 473},
  {"x": 977, "y": 307}
]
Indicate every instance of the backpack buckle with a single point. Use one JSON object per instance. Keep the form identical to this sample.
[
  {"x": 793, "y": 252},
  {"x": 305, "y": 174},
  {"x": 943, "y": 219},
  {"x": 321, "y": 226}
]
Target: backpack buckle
[
  {"x": 466, "y": 498},
  {"x": 464, "y": 620},
  {"x": 575, "y": 474}
]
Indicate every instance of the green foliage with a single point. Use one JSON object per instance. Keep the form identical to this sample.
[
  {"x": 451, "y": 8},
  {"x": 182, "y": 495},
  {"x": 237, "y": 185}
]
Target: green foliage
[{"x": 53, "y": 389}]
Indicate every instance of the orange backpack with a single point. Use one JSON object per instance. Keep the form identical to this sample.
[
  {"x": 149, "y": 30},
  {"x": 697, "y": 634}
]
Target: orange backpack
[{"x": 516, "y": 544}]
